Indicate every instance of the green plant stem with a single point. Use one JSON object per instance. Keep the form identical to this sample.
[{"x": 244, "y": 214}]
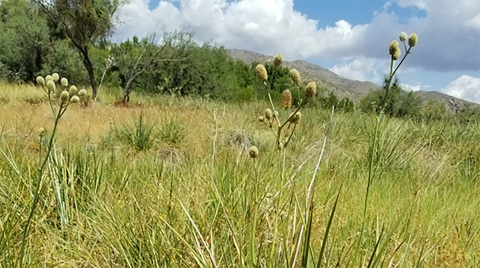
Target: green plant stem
[
  {"x": 392, "y": 74},
  {"x": 36, "y": 197}
]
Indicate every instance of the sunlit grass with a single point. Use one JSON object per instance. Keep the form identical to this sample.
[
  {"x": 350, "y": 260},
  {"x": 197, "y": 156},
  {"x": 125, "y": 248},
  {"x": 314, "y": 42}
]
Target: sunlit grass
[{"x": 170, "y": 206}]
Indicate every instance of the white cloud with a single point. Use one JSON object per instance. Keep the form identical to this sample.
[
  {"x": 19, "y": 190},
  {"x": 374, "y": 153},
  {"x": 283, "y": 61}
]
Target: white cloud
[
  {"x": 449, "y": 34},
  {"x": 408, "y": 87},
  {"x": 465, "y": 87},
  {"x": 361, "y": 69}
]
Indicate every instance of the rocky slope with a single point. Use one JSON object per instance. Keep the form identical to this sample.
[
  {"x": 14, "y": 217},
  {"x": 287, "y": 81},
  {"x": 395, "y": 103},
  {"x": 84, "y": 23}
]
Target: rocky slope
[{"x": 341, "y": 86}]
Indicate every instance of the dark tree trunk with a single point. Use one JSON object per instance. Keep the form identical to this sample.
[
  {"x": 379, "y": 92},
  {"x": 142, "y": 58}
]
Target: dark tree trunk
[{"x": 91, "y": 75}]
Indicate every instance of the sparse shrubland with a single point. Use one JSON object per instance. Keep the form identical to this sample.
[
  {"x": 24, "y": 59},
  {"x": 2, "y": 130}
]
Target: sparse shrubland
[{"x": 215, "y": 163}]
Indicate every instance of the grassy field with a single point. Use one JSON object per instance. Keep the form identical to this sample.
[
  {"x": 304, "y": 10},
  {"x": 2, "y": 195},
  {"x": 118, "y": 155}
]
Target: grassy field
[{"x": 168, "y": 183}]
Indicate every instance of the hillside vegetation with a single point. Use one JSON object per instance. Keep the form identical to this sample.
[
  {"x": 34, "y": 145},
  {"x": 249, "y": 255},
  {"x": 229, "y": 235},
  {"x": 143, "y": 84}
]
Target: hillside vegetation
[{"x": 178, "y": 155}]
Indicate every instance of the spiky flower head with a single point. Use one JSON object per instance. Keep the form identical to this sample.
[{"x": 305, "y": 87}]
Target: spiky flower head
[
  {"x": 64, "y": 82},
  {"x": 253, "y": 152},
  {"x": 75, "y": 99},
  {"x": 412, "y": 40},
  {"x": 55, "y": 77},
  {"x": 295, "y": 119},
  {"x": 42, "y": 132},
  {"x": 262, "y": 74},
  {"x": 295, "y": 76},
  {"x": 40, "y": 80},
  {"x": 82, "y": 93},
  {"x": 268, "y": 114},
  {"x": 278, "y": 60},
  {"x": 286, "y": 98},
  {"x": 310, "y": 90},
  {"x": 48, "y": 78},
  {"x": 394, "y": 50},
  {"x": 403, "y": 36},
  {"x": 51, "y": 85},
  {"x": 64, "y": 96},
  {"x": 73, "y": 90}
]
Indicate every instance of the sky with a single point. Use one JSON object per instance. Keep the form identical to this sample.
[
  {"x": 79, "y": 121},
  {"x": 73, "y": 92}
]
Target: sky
[{"x": 348, "y": 37}]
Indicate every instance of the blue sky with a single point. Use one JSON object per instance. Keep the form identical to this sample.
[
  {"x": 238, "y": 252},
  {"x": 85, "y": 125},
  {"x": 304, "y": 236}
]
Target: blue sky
[{"x": 349, "y": 37}]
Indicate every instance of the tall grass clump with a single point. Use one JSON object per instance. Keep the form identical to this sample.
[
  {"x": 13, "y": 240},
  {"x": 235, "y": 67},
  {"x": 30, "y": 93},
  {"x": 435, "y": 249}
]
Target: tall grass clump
[{"x": 60, "y": 97}]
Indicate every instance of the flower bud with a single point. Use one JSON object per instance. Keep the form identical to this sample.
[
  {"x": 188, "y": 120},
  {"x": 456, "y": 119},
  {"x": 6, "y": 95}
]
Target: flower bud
[
  {"x": 253, "y": 152},
  {"x": 295, "y": 76},
  {"x": 262, "y": 74},
  {"x": 286, "y": 98},
  {"x": 295, "y": 119},
  {"x": 412, "y": 40},
  {"x": 310, "y": 90},
  {"x": 82, "y": 93},
  {"x": 64, "y": 82},
  {"x": 40, "y": 80},
  {"x": 394, "y": 50},
  {"x": 75, "y": 99},
  {"x": 64, "y": 96},
  {"x": 73, "y": 90},
  {"x": 51, "y": 85},
  {"x": 403, "y": 36},
  {"x": 278, "y": 60},
  {"x": 55, "y": 77},
  {"x": 260, "y": 118},
  {"x": 268, "y": 114}
]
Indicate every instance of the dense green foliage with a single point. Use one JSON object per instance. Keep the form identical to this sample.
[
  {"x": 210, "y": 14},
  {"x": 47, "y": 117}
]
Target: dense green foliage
[{"x": 35, "y": 43}]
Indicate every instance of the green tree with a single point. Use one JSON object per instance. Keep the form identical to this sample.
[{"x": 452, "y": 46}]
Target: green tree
[
  {"x": 24, "y": 37},
  {"x": 84, "y": 22}
]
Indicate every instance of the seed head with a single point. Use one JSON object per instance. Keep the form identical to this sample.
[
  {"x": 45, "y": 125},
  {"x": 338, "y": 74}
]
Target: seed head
[
  {"x": 394, "y": 50},
  {"x": 73, "y": 90},
  {"x": 286, "y": 98},
  {"x": 51, "y": 85},
  {"x": 412, "y": 40},
  {"x": 268, "y": 114},
  {"x": 55, "y": 77},
  {"x": 42, "y": 132},
  {"x": 310, "y": 90},
  {"x": 253, "y": 152},
  {"x": 64, "y": 96},
  {"x": 64, "y": 82},
  {"x": 75, "y": 99},
  {"x": 82, "y": 93},
  {"x": 278, "y": 60},
  {"x": 403, "y": 36},
  {"x": 295, "y": 119},
  {"x": 295, "y": 76},
  {"x": 262, "y": 74},
  {"x": 40, "y": 80}
]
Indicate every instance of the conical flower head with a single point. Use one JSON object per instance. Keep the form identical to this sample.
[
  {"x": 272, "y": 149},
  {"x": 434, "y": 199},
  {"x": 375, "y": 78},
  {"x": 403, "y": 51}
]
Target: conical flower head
[
  {"x": 75, "y": 99},
  {"x": 72, "y": 90},
  {"x": 55, "y": 77},
  {"x": 286, "y": 98},
  {"x": 262, "y": 74},
  {"x": 253, "y": 152},
  {"x": 40, "y": 80},
  {"x": 51, "y": 85},
  {"x": 394, "y": 50},
  {"x": 64, "y": 82},
  {"x": 310, "y": 90},
  {"x": 403, "y": 36},
  {"x": 268, "y": 114},
  {"x": 278, "y": 60},
  {"x": 295, "y": 76},
  {"x": 295, "y": 119},
  {"x": 48, "y": 78},
  {"x": 412, "y": 40},
  {"x": 82, "y": 93},
  {"x": 64, "y": 96}
]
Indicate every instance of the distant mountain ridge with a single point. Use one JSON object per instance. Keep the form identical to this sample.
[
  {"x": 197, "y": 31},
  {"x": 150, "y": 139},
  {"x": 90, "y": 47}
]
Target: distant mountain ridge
[{"x": 341, "y": 86}]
